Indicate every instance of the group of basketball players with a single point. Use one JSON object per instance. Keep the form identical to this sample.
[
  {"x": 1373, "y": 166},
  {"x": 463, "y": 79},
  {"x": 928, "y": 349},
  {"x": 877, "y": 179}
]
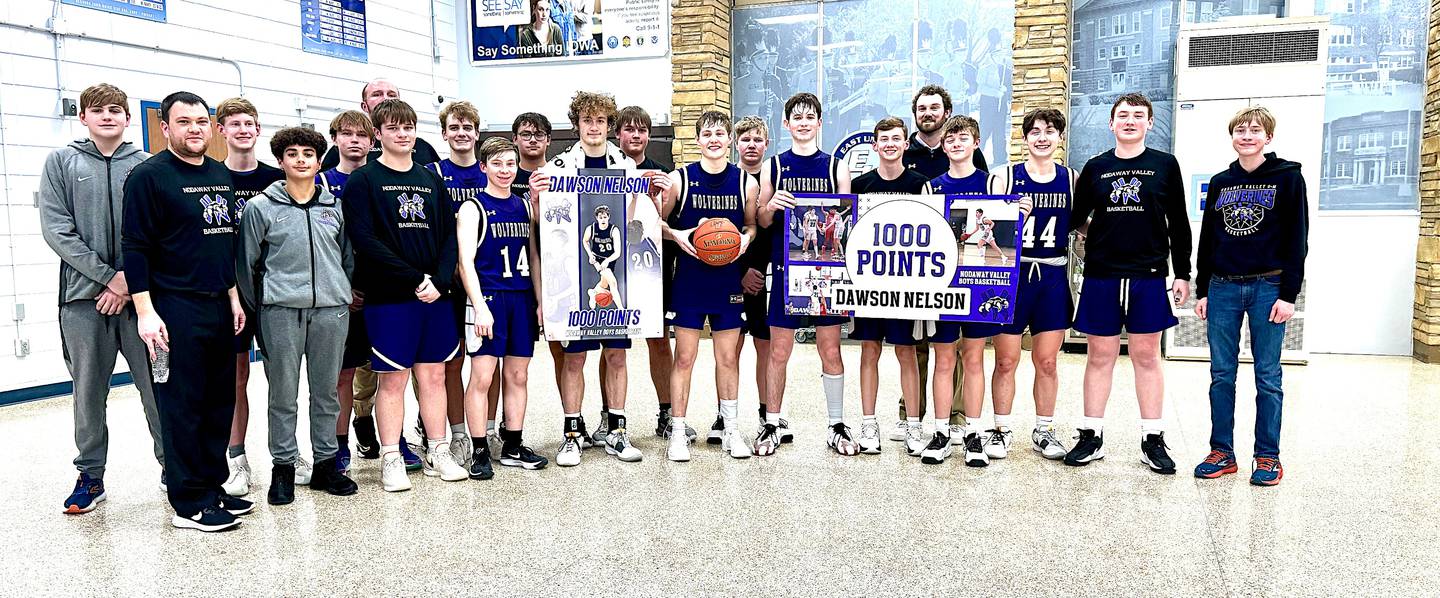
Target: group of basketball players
[{"x": 377, "y": 252}]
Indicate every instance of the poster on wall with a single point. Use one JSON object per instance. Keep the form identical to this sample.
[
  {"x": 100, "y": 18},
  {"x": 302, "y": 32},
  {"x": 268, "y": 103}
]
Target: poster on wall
[
  {"x": 871, "y": 57},
  {"x": 1120, "y": 47},
  {"x": 919, "y": 257},
  {"x": 565, "y": 30},
  {"x": 150, "y": 10},
  {"x": 600, "y": 256},
  {"x": 334, "y": 28}
]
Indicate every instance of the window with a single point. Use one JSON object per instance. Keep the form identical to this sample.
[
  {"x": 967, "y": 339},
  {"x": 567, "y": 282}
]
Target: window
[
  {"x": 1165, "y": 15},
  {"x": 1397, "y": 138},
  {"x": 1399, "y": 168},
  {"x": 1117, "y": 81},
  {"x": 1341, "y": 35},
  {"x": 1120, "y": 51},
  {"x": 1407, "y": 38},
  {"x": 1135, "y": 51},
  {"x": 1135, "y": 22},
  {"x": 1349, "y": 6},
  {"x": 1407, "y": 62},
  {"x": 1102, "y": 30},
  {"x": 1251, "y": 7},
  {"x": 1102, "y": 55},
  {"x": 1342, "y": 143},
  {"x": 1368, "y": 140},
  {"x": 1340, "y": 170},
  {"x": 1119, "y": 25}
]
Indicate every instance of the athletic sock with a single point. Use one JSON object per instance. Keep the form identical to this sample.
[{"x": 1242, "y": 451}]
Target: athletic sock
[
  {"x": 942, "y": 426},
  {"x": 677, "y": 426},
  {"x": 431, "y": 444},
  {"x": 729, "y": 411},
  {"x": 457, "y": 429},
  {"x": 869, "y": 419},
  {"x": 1151, "y": 426},
  {"x": 617, "y": 419},
  {"x": 972, "y": 425},
  {"x": 236, "y": 451},
  {"x": 665, "y": 407},
  {"x": 510, "y": 439},
  {"x": 1002, "y": 422},
  {"x": 913, "y": 422},
  {"x": 1044, "y": 421},
  {"x": 834, "y": 385},
  {"x": 772, "y": 419},
  {"x": 1092, "y": 423},
  {"x": 572, "y": 424},
  {"x": 489, "y": 426},
  {"x": 389, "y": 448}
]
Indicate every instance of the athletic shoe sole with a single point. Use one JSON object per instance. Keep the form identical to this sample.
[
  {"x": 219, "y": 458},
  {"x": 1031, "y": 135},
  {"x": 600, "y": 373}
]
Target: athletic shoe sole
[
  {"x": 483, "y": 476},
  {"x": 1056, "y": 457},
  {"x": 1096, "y": 456},
  {"x": 187, "y": 523},
  {"x": 521, "y": 464},
  {"x": 976, "y": 462},
  {"x": 77, "y": 509},
  {"x": 1159, "y": 470},
  {"x": 870, "y": 451},
  {"x": 246, "y": 511},
  {"x": 616, "y": 454},
  {"x": 933, "y": 460},
  {"x": 1216, "y": 474},
  {"x": 1274, "y": 482},
  {"x": 714, "y": 437}
]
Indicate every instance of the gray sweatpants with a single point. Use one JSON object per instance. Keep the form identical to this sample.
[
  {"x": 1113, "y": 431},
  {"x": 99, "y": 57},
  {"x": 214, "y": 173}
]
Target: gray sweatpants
[
  {"x": 318, "y": 335},
  {"x": 90, "y": 342}
]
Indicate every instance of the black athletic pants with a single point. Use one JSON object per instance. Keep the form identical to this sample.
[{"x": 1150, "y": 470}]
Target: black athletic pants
[{"x": 198, "y": 403}]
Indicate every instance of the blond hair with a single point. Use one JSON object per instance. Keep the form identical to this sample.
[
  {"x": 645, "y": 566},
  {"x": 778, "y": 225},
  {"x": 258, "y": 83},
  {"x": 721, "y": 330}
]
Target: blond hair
[
  {"x": 1256, "y": 114},
  {"x": 234, "y": 106}
]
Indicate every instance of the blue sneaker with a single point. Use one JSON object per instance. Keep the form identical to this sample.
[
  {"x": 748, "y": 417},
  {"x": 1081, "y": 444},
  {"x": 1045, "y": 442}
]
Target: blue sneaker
[
  {"x": 1267, "y": 471},
  {"x": 1216, "y": 464},
  {"x": 342, "y": 460},
  {"x": 89, "y": 493},
  {"x": 412, "y": 460}
]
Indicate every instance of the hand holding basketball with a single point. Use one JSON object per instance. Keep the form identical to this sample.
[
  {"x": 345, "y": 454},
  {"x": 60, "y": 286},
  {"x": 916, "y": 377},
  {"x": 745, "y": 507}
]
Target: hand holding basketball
[{"x": 717, "y": 242}]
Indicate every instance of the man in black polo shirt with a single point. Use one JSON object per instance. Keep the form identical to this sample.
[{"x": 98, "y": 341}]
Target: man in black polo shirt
[
  {"x": 179, "y": 249},
  {"x": 371, "y": 95}
]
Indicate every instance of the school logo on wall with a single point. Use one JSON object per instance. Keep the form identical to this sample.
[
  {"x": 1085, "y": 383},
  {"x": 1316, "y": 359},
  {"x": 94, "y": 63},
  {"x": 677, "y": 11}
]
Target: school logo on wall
[{"x": 857, "y": 152}]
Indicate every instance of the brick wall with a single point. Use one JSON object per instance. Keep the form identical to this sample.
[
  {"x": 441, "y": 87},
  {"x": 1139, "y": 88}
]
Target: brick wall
[{"x": 1426, "y": 321}]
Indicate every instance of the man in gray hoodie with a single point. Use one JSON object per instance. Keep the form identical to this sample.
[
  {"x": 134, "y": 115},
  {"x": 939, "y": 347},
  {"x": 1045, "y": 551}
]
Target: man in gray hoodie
[
  {"x": 80, "y": 211},
  {"x": 294, "y": 268}
]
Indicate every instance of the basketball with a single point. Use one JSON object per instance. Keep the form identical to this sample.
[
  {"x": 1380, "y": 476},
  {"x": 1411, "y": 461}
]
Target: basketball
[
  {"x": 716, "y": 242},
  {"x": 602, "y": 299}
]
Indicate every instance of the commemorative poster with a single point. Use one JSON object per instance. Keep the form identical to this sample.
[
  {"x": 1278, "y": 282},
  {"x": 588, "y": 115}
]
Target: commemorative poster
[
  {"x": 600, "y": 256},
  {"x": 918, "y": 257},
  {"x": 567, "y": 30}
]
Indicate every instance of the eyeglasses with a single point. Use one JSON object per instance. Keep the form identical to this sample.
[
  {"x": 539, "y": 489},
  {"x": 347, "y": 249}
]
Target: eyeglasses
[{"x": 532, "y": 135}]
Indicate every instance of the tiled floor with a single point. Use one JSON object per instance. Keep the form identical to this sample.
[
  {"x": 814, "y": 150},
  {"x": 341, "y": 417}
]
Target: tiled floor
[{"x": 1356, "y": 514}]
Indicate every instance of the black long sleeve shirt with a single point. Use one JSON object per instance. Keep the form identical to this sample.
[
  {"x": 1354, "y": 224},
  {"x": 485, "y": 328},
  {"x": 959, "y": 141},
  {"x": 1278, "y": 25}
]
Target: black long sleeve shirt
[
  {"x": 402, "y": 227},
  {"x": 178, "y": 232},
  {"x": 1139, "y": 213},
  {"x": 1255, "y": 222}
]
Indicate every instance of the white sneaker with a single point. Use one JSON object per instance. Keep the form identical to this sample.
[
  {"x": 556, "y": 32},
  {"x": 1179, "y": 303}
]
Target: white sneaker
[
  {"x": 440, "y": 462},
  {"x": 1043, "y": 440},
  {"x": 841, "y": 442},
  {"x": 461, "y": 448},
  {"x": 617, "y": 443},
  {"x": 897, "y": 433},
  {"x": 679, "y": 448},
  {"x": 238, "y": 484},
  {"x": 303, "y": 471},
  {"x": 735, "y": 444},
  {"x": 997, "y": 443},
  {"x": 392, "y": 472},
  {"x": 957, "y": 434},
  {"x": 937, "y": 451},
  {"x": 869, "y": 438},
  {"x": 915, "y": 440},
  {"x": 569, "y": 455},
  {"x": 975, "y": 451}
]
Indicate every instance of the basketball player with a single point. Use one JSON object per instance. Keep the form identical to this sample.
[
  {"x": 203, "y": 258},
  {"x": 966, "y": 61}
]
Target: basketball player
[
  {"x": 890, "y": 177},
  {"x": 810, "y": 224},
  {"x": 1043, "y": 300},
  {"x": 1132, "y": 199},
  {"x": 239, "y": 124},
  {"x": 803, "y": 168},
  {"x": 465, "y": 180},
  {"x": 986, "y": 229},
  {"x": 602, "y": 242},
  {"x": 498, "y": 274},
  {"x": 701, "y": 191},
  {"x": 405, "y": 258},
  {"x": 352, "y": 133},
  {"x": 371, "y": 95}
]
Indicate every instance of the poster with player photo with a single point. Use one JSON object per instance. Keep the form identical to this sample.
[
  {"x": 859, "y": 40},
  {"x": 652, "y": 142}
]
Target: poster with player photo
[{"x": 600, "y": 249}]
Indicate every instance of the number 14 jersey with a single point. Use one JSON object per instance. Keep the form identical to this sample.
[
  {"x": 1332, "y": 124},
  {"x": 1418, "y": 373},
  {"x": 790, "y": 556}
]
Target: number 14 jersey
[{"x": 502, "y": 255}]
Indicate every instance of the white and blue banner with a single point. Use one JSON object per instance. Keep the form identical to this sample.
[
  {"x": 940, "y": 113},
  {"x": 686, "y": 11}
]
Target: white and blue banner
[
  {"x": 567, "y": 30},
  {"x": 600, "y": 256},
  {"x": 917, "y": 257},
  {"x": 334, "y": 28},
  {"x": 150, "y": 10}
]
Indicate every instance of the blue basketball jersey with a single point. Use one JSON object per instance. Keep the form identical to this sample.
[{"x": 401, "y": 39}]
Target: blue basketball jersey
[
  {"x": 1047, "y": 228},
  {"x": 464, "y": 182},
  {"x": 645, "y": 256},
  {"x": 700, "y": 287},
  {"x": 601, "y": 242},
  {"x": 815, "y": 173},
  {"x": 502, "y": 254},
  {"x": 978, "y": 183},
  {"x": 333, "y": 181}
]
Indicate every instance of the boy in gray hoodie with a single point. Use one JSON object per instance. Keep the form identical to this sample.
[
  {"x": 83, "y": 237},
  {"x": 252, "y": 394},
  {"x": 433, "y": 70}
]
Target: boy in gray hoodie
[
  {"x": 80, "y": 210},
  {"x": 294, "y": 268}
]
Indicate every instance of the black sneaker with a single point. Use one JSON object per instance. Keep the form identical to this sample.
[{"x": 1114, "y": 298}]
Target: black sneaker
[
  {"x": 786, "y": 436},
  {"x": 975, "y": 451},
  {"x": 365, "y": 441},
  {"x": 1152, "y": 453},
  {"x": 235, "y": 506},
  {"x": 586, "y": 441},
  {"x": 1089, "y": 446},
  {"x": 282, "y": 484},
  {"x": 328, "y": 477},
  {"x": 210, "y": 519},
  {"x": 524, "y": 458},
  {"x": 662, "y": 423},
  {"x": 717, "y": 431},
  {"x": 480, "y": 468}
]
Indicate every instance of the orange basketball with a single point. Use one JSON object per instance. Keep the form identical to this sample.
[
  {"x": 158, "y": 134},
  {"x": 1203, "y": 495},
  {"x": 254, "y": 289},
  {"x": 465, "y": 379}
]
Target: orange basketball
[
  {"x": 716, "y": 241},
  {"x": 602, "y": 299}
]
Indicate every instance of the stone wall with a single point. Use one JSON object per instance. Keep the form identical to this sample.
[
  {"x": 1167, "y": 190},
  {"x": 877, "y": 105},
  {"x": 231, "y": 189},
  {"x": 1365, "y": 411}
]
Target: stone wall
[
  {"x": 1042, "y": 60},
  {"x": 1427, "y": 259},
  {"x": 700, "y": 68}
]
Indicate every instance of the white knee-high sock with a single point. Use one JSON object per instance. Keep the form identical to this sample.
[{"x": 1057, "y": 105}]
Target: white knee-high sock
[
  {"x": 729, "y": 411},
  {"x": 834, "y": 385}
]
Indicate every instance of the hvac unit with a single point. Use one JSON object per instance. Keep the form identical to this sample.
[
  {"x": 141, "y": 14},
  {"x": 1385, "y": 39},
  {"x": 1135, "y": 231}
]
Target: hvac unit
[{"x": 1220, "y": 69}]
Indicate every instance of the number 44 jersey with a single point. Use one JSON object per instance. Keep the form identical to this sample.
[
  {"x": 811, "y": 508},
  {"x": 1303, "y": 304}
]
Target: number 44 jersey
[{"x": 1047, "y": 229}]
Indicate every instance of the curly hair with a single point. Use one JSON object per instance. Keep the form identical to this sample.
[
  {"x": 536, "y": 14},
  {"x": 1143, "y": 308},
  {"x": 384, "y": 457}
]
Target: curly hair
[
  {"x": 589, "y": 102},
  {"x": 289, "y": 137}
]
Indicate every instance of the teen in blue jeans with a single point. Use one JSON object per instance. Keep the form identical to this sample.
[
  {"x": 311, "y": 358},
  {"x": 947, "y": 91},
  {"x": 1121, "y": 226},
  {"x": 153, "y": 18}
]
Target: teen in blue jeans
[{"x": 1250, "y": 266}]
